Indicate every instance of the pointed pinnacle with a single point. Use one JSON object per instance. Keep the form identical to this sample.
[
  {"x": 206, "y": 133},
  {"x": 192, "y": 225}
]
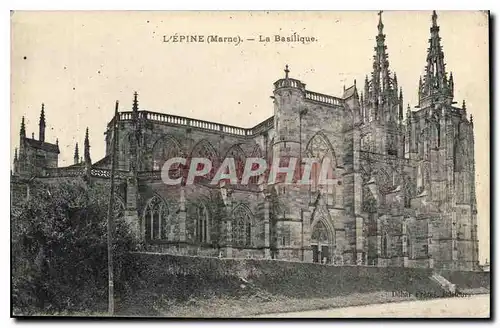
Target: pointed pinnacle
[
  {"x": 434, "y": 18},
  {"x": 42, "y": 113},
  {"x": 135, "y": 103},
  {"x": 380, "y": 24}
]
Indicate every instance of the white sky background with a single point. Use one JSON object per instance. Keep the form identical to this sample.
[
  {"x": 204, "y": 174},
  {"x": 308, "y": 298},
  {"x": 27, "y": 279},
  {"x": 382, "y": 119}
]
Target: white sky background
[{"x": 78, "y": 64}]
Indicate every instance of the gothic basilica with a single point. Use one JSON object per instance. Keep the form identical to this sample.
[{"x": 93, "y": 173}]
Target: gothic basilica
[{"x": 403, "y": 192}]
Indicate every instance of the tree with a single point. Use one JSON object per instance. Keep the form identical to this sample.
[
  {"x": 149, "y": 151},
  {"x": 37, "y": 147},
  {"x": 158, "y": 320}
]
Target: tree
[{"x": 59, "y": 250}]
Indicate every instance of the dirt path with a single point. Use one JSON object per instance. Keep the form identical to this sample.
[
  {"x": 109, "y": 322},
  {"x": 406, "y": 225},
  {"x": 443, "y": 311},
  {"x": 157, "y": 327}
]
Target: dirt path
[{"x": 477, "y": 306}]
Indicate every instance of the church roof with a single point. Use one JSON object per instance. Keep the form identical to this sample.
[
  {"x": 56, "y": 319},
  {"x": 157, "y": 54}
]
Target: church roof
[
  {"x": 81, "y": 164},
  {"x": 52, "y": 148},
  {"x": 103, "y": 162},
  {"x": 349, "y": 92}
]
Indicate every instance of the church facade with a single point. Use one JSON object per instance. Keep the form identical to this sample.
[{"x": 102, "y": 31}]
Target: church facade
[{"x": 403, "y": 192}]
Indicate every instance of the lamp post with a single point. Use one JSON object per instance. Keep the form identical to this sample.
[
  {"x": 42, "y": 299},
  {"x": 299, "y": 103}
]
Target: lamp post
[
  {"x": 111, "y": 297},
  {"x": 301, "y": 113}
]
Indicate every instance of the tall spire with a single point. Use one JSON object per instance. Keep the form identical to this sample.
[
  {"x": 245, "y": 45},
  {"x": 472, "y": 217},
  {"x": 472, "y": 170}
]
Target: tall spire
[
  {"x": 435, "y": 82},
  {"x": 22, "y": 132},
  {"x": 87, "y": 148},
  {"x": 400, "y": 105},
  {"x": 451, "y": 84},
  {"x": 41, "y": 135},
  {"x": 380, "y": 24},
  {"x": 15, "y": 153},
  {"x": 135, "y": 105},
  {"x": 381, "y": 73},
  {"x": 76, "y": 157},
  {"x": 381, "y": 91}
]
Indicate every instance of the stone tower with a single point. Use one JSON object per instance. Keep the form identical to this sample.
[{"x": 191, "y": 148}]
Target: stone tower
[
  {"x": 441, "y": 142},
  {"x": 35, "y": 155},
  {"x": 289, "y": 106}
]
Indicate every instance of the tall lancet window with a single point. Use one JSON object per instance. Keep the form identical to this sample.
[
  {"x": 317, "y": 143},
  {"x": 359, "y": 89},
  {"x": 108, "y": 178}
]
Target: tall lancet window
[
  {"x": 202, "y": 231},
  {"x": 385, "y": 246},
  {"x": 164, "y": 149},
  {"x": 420, "y": 179},
  {"x": 410, "y": 247},
  {"x": 436, "y": 140},
  {"x": 242, "y": 227},
  {"x": 155, "y": 216},
  {"x": 439, "y": 135}
]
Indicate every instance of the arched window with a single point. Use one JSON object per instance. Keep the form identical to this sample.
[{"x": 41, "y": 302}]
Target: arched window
[
  {"x": 392, "y": 146},
  {"x": 238, "y": 156},
  {"x": 420, "y": 179},
  {"x": 164, "y": 149},
  {"x": 410, "y": 247},
  {"x": 242, "y": 227},
  {"x": 320, "y": 233},
  {"x": 155, "y": 216},
  {"x": 118, "y": 207},
  {"x": 384, "y": 180},
  {"x": 204, "y": 149},
  {"x": 123, "y": 152},
  {"x": 385, "y": 246},
  {"x": 320, "y": 148},
  {"x": 202, "y": 228},
  {"x": 256, "y": 153},
  {"x": 408, "y": 191}
]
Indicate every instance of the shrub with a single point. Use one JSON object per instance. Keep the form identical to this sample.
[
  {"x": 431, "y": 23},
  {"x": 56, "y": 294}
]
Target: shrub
[{"x": 59, "y": 248}]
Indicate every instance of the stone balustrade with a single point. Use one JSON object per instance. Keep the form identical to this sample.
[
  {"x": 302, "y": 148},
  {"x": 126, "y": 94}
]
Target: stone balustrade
[
  {"x": 322, "y": 98},
  {"x": 205, "y": 125}
]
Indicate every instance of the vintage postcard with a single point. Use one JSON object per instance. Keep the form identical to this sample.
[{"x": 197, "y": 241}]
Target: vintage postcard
[{"x": 250, "y": 164}]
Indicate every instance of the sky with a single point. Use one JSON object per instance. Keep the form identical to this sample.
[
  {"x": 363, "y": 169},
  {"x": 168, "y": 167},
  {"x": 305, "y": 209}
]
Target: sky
[{"x": 79, "y": 63}]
